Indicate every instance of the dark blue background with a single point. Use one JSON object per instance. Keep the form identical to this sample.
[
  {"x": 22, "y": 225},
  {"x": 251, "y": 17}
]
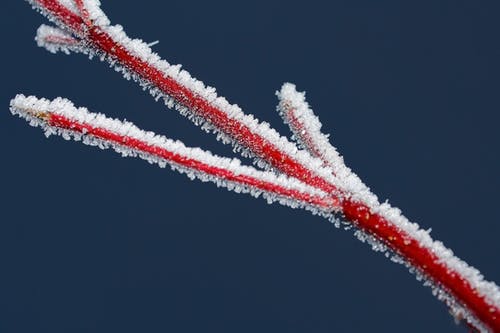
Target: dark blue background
[{"x": 92, "y": 242}]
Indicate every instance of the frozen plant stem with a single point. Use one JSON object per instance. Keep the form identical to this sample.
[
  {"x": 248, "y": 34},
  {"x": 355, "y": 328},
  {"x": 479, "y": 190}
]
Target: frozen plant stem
[
  {"x": 61, "y": 117},
  {"x": 83, "y": 27}
]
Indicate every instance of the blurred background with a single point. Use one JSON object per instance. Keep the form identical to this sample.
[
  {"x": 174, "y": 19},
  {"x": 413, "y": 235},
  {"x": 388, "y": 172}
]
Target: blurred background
[{"x": 92, "y": 242}]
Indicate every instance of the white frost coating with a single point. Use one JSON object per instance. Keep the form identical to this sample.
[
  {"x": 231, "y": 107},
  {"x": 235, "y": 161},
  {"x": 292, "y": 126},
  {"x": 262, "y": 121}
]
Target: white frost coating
[
  {"x": 93, "y": 7},
  {"x": 97, "y": 16},
  {"x": 294, "y": 107},
  {"x": 293, "y": 103},
  {"x": 29, "y": 107},
  {"x": 69, "y": 4},
  {"x": 358, "y": 191},
  {"x": 56, "y": 40},
  {"x": 488, "y": 290},
  {"x": 142, "y": 51}
]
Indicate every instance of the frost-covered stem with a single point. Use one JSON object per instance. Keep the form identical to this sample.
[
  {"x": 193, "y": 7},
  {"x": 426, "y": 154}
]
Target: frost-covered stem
[
  {"x": 431, "y": 264},
  {"x": 232, "y": 127},
  {"x": 55, "y": 39},
  {"x": 60, "y": 12},
  {"x": 83, "y": 12},
  {"x": 306, "y": 128},
  {"x": 430, "y": 258},
  {"x": 58, "y": 40},
  {"x": 61, "y": 117}
]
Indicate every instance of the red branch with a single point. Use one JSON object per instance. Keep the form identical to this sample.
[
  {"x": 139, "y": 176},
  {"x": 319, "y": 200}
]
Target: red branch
[
  {"x": 83, "y": 12},
  {"x": 66, "y": 41},
  {"x": 326, "y": 204},
  {"x": 357, "y": 212},
  {"x": 305, "y": 137}
]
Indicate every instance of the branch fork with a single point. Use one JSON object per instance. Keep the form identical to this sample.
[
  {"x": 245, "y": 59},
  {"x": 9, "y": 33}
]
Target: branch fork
[{"x": 308, "y": 173}]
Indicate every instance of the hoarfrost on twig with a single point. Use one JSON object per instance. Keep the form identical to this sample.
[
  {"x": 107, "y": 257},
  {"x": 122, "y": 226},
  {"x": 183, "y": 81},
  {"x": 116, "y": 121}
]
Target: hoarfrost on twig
[{"x": 316, "y": 170}]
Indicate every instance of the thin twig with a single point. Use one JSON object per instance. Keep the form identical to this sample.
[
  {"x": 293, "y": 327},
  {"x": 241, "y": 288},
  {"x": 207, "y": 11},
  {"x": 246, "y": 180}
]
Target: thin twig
[{"x": 61, "y": 117}]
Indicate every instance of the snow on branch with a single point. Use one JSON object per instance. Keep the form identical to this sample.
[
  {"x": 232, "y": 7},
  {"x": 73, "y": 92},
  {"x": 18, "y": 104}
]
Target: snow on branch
[
  {"x": 61, "y": 117},
  {"x": 318, "y": 167}
]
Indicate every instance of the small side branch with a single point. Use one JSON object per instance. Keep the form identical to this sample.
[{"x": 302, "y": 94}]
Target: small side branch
[{"x": 56, "y": 40}]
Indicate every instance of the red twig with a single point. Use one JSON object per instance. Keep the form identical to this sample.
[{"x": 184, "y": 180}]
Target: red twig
[
  {"x": 259, "y": 146},
  {"x": 60, "y": 40},
  {"x": 327, "y": 204},
  {"x": 84, "y": 13},
  {"x": 467, "y": 289},
  {"x": 62, "y": 115}
]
